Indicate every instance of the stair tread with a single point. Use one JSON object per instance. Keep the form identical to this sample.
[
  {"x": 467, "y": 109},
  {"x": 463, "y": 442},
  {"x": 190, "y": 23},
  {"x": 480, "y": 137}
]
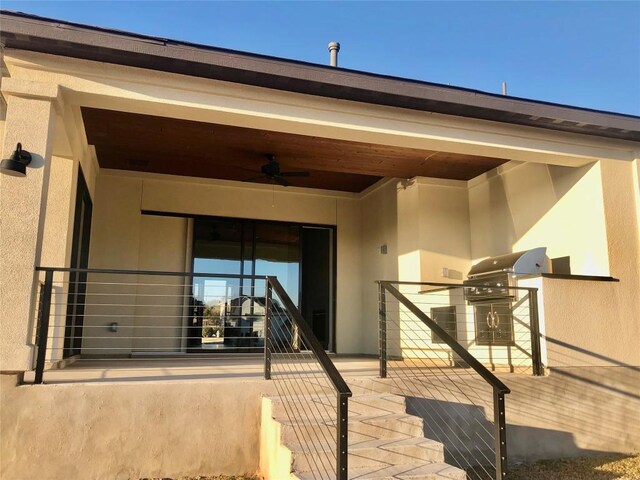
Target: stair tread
[
  {"x": 423, "y": 471},
  {"x": 370, "y": 419},
  {"x": 381, "y": 443},
  {"x": 353, "y": 398},
  {"x": 325, "y": 407}
]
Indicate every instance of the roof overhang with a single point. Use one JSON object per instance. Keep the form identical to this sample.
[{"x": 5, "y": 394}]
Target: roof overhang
[{"x": 32, "y": 33}]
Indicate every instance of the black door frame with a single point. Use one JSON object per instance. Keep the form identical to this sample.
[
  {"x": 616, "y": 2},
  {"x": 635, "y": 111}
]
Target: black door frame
[
  {"x": 79, "y": 259},
  {"x": 333, "y": 266}
]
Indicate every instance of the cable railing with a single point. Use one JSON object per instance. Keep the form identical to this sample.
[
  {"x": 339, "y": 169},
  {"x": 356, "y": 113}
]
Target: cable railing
[
  {"x": 107, "y": 314},
  {"x": 313, "y": 394},
  {"x": 434, "y": 354},
  {"x": 499, "y": 327}
]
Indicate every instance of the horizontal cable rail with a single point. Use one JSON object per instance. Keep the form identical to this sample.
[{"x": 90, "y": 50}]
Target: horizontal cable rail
[
  {"x": 434, "y": 352},
  {"x": 108, "y": 313},
  {"x": 501, "y": 331},
  {"x": 114, "y": 314}
]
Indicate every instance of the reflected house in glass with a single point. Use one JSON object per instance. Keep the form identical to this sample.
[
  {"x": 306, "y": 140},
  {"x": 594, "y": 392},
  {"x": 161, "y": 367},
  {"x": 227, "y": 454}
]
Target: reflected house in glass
[
  {"x": 243, "y": 320},
  {"x": 299, "y": 255}
]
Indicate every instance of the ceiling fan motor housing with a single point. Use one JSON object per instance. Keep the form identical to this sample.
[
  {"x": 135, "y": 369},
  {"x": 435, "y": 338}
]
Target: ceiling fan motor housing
[{"x": 271, "y": 169}]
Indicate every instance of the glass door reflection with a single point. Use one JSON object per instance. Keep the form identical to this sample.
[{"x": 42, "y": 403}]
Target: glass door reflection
[
  {"x": 229, "y": 312},
  {"x": 217, "y": 248},
  {"x": 277, "y": 253}
]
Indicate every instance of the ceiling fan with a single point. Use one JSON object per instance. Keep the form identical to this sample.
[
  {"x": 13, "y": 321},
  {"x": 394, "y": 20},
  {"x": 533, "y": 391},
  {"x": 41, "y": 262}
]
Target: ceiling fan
[{"x": 271, "y": 171}]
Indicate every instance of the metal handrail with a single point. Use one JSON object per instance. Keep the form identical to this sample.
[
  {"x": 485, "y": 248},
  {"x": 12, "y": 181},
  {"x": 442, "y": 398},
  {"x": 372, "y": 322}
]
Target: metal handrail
[
  {"x": 272, "y": 285},
  {"x": 469, "y": 359},
  {"x": 312, "y": 342},
  {"x": 342, "y": 390},
  {"x": 446, "y": 285},
  {"x": 536, "y": 337},
  {"x": 304, "y": 328},
  {"x": 499, "y": 388},
  {"x": 149, "y": 272}
]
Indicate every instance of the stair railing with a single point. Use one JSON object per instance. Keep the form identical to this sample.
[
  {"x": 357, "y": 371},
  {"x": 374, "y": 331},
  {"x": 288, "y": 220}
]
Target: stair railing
[
  {"x": 107, "y": 304},
  {"x": 438, "y": 385},
  {"x": 298, "y": 363}
]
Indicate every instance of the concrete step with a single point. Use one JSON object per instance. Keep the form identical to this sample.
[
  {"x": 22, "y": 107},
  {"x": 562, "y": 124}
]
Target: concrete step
[
  {"x": 325, "y": 405},
  {"x": 361, "y": 428},
  {"x": 430, "y": 471},
  {"x": 385, "y": 443},
  {"x": 378, "y": 453}
]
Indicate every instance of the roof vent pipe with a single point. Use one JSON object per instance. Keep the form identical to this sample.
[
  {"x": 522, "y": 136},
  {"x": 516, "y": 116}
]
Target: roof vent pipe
[{"x": 334, "y": 48}]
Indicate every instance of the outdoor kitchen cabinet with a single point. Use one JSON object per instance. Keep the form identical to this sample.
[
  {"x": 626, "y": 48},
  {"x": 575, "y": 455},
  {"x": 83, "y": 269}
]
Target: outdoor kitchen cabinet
[{"x": 494, "y": 323}]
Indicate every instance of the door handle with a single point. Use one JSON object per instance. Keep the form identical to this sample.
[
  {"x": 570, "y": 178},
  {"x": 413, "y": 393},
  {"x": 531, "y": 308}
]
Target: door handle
[{"x": 493, "y": 320}]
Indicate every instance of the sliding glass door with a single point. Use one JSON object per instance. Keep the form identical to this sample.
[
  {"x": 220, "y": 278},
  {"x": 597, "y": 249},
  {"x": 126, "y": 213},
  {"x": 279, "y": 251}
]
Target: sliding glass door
[
  {"x": 228, "y": 312},
  {"x": 217, "y": 248}
]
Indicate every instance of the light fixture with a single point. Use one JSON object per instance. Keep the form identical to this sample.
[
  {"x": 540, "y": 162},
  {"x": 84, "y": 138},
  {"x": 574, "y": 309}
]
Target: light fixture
[{"x": 16, "y": 166}]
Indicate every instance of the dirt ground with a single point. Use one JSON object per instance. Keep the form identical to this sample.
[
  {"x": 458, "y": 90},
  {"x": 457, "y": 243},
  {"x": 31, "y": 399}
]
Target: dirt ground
[
  {"x": 222, "y": 477},
  {"x": 619, "y": 467}
]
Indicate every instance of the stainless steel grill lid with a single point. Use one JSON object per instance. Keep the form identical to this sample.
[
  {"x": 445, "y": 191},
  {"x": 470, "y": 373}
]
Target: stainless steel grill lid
[{"x": 520, "y": 263}]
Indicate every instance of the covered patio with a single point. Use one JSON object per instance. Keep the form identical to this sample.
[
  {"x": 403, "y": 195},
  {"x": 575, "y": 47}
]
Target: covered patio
[{"x": 414, "y": 181}]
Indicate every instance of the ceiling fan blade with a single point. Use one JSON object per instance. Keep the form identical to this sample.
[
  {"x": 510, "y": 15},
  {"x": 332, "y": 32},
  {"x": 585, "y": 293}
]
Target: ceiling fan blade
[
  {"x": 294, "y": 174},
  {"x": 253, "y": 179},
  {"x": 281, "y": 181}
]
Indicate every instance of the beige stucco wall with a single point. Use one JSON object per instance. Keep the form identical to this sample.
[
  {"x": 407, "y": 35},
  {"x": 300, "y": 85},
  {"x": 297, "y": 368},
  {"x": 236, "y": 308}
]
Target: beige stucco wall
[
  {"x": 22, "y": 213},
  {"x": 3, "y": 116},
  {"x": 379, "y": 212},
  {"x": 159, "y": 429},
  {"x": 168, "y": 255},
  {"x": 444, "y": 232},
  {"x": 425, "y": 224},
  {"x": 523, "y": 206},
  {"x": 587, "y": 213},
  {"x": 124, "y": 238},
  {"x": 432, "y": 229},
  {"x": 130, "y": 430}
]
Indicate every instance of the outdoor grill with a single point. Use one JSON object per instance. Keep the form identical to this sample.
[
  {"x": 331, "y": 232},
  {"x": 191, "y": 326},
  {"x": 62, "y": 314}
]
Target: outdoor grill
[
  {"x": 490, "y": 289},
  {"x": 492, "y": 278}
]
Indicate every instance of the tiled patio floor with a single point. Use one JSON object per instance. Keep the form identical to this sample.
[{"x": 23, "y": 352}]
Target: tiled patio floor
[{"x": 219, "y": 368}]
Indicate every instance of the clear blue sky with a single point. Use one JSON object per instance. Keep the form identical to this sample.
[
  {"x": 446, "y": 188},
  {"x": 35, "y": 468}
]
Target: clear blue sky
[{"x": 585, "y": 54}]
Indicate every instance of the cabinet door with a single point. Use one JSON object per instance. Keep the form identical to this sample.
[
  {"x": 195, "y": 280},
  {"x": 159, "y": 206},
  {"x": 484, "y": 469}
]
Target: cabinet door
[
  {"x": 494, "y": 324},
  {"x": 502, "y": 324}
]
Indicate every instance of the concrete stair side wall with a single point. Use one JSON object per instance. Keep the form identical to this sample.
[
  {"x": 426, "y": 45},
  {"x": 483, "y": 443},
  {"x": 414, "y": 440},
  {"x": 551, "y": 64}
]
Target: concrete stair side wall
[{"x": 275, "y": 458}]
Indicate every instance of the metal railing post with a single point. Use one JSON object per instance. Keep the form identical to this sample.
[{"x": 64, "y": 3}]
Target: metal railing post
[
  {"x": 342, "y": 440},
  {"x": 267, "y": 331},
  {"x": 43, "y": 325},
  {"x": 536, "y": 349},
  {"x": 382, "y": 316},
  {"x": 500, "y": 425}
]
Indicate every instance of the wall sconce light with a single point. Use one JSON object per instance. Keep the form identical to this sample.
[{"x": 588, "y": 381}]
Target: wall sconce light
[{"x": 16, "y": 166}]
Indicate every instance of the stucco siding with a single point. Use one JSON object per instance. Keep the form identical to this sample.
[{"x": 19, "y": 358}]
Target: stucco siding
[
  {"x": 530, "y": 205},
  {"x": 125, "y": 238}
]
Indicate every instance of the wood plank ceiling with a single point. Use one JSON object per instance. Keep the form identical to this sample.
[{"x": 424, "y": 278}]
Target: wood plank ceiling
[{"x": 146, "y": 143}]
